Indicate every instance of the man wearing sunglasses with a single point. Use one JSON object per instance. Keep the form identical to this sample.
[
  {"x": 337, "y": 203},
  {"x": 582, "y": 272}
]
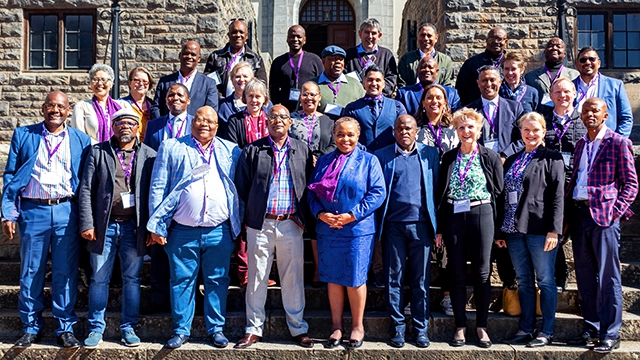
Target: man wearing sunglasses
[
  {"x": 591, "y": 83},
  {"x": 271, "y": 180},
  {"x": 41, "y": 178},
  {"x": 118, "y": 170}
]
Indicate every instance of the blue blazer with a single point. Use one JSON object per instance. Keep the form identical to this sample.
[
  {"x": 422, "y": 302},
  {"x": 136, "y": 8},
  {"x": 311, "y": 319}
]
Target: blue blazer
[
  {"x": 618, "y": 106},
  {"x": 429, "y": 163},
  {"x": 23, "y": 152},
  {"x": 360, "y": 190},
  {"x": 509, "y": 139},
  {"x": 380, "y": 129},
  {"x": 154, "y": 135},
  {"x": 410, "y": 96},
  {"x": 203, "y": 92}
]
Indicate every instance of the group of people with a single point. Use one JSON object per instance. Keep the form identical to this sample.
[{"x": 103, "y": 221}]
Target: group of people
[{"x": 504, "y": 166}]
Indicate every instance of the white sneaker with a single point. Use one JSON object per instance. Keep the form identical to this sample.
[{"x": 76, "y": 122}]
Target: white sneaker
[
  {"x": 446, "y": 306},
  {"x": 407, "y": 310}
]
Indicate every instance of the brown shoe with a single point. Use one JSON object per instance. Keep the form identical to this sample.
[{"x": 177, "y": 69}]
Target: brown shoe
[
  {"x": 303, "y": 340},
  {"x": 246, "y": 341}
]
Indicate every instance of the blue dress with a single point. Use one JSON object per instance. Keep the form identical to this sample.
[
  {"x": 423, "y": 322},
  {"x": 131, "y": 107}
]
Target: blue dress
[{"x": 344, "y": 254}]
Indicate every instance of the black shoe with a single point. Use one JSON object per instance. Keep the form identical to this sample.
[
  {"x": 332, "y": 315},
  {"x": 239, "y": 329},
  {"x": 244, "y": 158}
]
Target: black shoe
[
  {"x": 583, "y": 340},
  {"x": 332, "y": 343},
  {"x": 485, "y": 344},
  {"x": 458, "y": 343},
  {"x": 605, "y": 346},
  {"x": 176, "y": 341},
  {"x": 539, "y": 341},
  {"x": 27, "y": 339},
  {"x": 397, "y": 340},
  {"x": 422, "y": 341},
  {"x": 354, "y": 344},
  {"x": 519, "y": 339},
  {"x": 67, "y": 340}
]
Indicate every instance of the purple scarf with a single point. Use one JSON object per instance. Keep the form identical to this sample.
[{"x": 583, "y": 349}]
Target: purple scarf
[
  {"x": 104, "y": 123},
  {"x": 326, "y": 187}
]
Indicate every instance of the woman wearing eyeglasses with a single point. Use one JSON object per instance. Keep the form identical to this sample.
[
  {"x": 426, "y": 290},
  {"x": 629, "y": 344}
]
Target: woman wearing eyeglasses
[
  {"x": 140, "y": 82},
  {"x": 250, "y": 124},
  {"x": 93, "y": 116}
]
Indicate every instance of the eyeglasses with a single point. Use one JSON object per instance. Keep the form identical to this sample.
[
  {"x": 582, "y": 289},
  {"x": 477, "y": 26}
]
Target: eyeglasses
[
  {"x": 309, "y": 95},
  {"x": 122, "y": 123},
  {"x": 275, "y": 117},
  {"x": 52, "y": 107},
  {"x": 100, "y": 80},
  {"x": 585, "y": 59},
  {"x": 140, "y": 81}
]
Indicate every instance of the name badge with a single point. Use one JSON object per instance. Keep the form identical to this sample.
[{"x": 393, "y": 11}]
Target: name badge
[
  {"x": 493, "y": 145},
  {"x": 294, "y": 94},
  {"x": 204, "y": 168},
  {"x": 50, "y": 178},
  {"x": 460, "y": 206},
  {"x": 127, "y": 200},
  {"x": 216, "y": 77},
  {"x": 546, "y": 100},
  {"x": 333, "y": 109},
  {"x": 355, "y": 75},
  {"x": 566, "y": 156},
  {"x": 513, "y": 197}
]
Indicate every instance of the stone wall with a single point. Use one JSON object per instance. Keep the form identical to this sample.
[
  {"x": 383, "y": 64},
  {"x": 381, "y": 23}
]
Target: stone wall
[{"x": 152, "y": 33}]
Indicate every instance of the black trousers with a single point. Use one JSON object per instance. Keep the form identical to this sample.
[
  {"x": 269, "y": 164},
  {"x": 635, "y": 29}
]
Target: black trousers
[
  {"x": 159, "y": 277},
  {"x": 469, "y": 236},
  {"x": 506, "y": 271}
]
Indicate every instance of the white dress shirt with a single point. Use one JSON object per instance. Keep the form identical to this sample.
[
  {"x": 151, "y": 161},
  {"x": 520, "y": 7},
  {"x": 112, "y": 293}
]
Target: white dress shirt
[{"x": 580, "y": 192}]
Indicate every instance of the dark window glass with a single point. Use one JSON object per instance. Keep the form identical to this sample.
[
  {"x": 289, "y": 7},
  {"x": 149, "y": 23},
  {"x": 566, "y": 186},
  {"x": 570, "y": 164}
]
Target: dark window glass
[{"x": 43, "y": 43}]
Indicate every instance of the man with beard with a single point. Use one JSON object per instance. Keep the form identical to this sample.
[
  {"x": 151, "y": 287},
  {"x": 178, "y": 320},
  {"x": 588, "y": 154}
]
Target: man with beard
[
  {"x": 203, "y": 89},
  {"x": 408, "y": 68},
  {"x": 120, "y": 170},
  {"x": 289, "y": 71}
]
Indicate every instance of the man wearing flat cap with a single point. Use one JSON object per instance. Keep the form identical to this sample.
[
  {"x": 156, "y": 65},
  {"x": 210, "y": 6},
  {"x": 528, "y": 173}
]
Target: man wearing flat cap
[
  {"x": 113, "y": 198},
  {"x": 337, "y": 89}
]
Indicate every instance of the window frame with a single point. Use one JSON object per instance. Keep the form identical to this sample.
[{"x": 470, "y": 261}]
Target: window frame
[
  {"x": 608, "y": 31},
  {"x": 60, "y": 13}
]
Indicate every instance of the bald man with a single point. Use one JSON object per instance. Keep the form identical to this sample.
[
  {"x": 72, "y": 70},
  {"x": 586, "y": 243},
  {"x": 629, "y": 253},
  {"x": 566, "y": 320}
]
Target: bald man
[
  {"x": 196, "y": 216},
  {"x": 602, "y": 188},
  {"x": 496, "y": 43},
  {"x": 221, "y": 61},
  {"x": 292, "y": 69},
  {"x": 202, "y": 89}
]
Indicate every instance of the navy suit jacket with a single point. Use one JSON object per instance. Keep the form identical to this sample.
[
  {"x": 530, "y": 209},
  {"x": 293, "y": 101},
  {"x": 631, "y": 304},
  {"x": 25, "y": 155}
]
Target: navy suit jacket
[
  {"x": 23, "y": 153},
  {"x": 429, "y": 163},
  {"x": 410, "y": 96},
  {"x": 618, "y": 106},
  {"x": 375, "y": 133},
  {"x": 203, "y": 92},
  {"x": 509, "y": 139},
  {"x": 154, "y": 136}
]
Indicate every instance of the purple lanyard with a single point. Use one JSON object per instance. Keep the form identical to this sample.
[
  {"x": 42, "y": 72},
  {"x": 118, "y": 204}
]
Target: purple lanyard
[
  {"x": 463, "y": 175},
  {"x": 179, "y": 130},
  {"x": 546, "y": 69},
  {"x": 583, "y": 93},
  {"x": 277, "y": 165},
  {"x": 202, "y": 151},
  {"x": 564, "y": 130},
  {"x": 309, "y": 128},
  {"x": 436, "y": 135},
  {"x": 296, "y": 71},
  {"x": 233, "y": 59},
  {"x": 139, "y": 108},
  {"x": 495, "y": 112},
  {"x": 521, "y": 163},
  {"x": 524, "y": 92},
  {"x": 126, "y": 169},
  {"x": 48, "y": 144},
  {"x": 334, "y": 90},
  {"x": 370, "y": 59},
  {"x": 496, "y": 64}
]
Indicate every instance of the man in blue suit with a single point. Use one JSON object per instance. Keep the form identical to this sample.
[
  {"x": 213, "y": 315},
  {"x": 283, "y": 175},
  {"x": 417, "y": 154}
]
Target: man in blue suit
[
  {"x": 203, "y": 89},
  {"x": 408, "y": 226},
  {"x": 375, "y": 112},
  {"x": 428, "y": 71},
  {"x": 591, "y": 83},
  {"x": 40, "y": 182}
]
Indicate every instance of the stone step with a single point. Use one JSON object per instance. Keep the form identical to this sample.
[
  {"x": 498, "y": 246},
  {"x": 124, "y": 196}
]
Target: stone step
[
  {"x": 317, "y": 298},
  {"x": 376, "y": 323},
  {"x": 286, "y": 350}
]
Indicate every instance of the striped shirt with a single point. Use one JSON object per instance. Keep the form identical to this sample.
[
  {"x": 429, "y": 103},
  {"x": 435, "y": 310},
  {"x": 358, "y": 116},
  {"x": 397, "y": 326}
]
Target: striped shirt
[
  {"x": 281, "y": 197},
  {"x": 51, "y": 176}
]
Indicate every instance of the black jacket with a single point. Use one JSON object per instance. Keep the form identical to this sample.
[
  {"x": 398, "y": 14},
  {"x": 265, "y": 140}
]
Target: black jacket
[
  {"x": 96, "y": 192},
  {"x": 541, "y": 203},
  {"x": 253, "y": 178},
  {"x": 385, "y": 60},
  {"x": 220, "y": 59},
  {"x": 466, "y": 81},
  {"x": 508, "y": 132},
  {"x": 492, "y": 168},
  {"x": 575, "y": 131}
]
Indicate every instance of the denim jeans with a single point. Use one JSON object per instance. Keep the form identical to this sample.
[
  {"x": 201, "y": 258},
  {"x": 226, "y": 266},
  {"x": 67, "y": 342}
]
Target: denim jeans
[
  {"x": 527, "y": 253},
  {"x": 121, "y": 239}
]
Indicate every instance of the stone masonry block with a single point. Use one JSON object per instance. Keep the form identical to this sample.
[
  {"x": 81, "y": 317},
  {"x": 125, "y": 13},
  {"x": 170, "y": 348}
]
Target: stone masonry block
[
  {"x": 4, "y": 110},
  {"x": 179, "y": 19},
  {"x": 11, "y": 29},
  {"x": 149, "y": 53}
]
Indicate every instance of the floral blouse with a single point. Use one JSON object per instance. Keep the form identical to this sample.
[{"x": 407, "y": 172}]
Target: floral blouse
[
  {"x": 474, "y": 186},
  {"x": 448, "y": 138},
  {"x": 306, "y": 129}
]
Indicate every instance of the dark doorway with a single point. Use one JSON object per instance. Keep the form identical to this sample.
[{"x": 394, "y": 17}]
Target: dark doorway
[{"x": 328, "y": 22}]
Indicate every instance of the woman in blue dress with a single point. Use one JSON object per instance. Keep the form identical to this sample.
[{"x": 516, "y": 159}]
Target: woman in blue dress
[{"x": 346, "y": 188}]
